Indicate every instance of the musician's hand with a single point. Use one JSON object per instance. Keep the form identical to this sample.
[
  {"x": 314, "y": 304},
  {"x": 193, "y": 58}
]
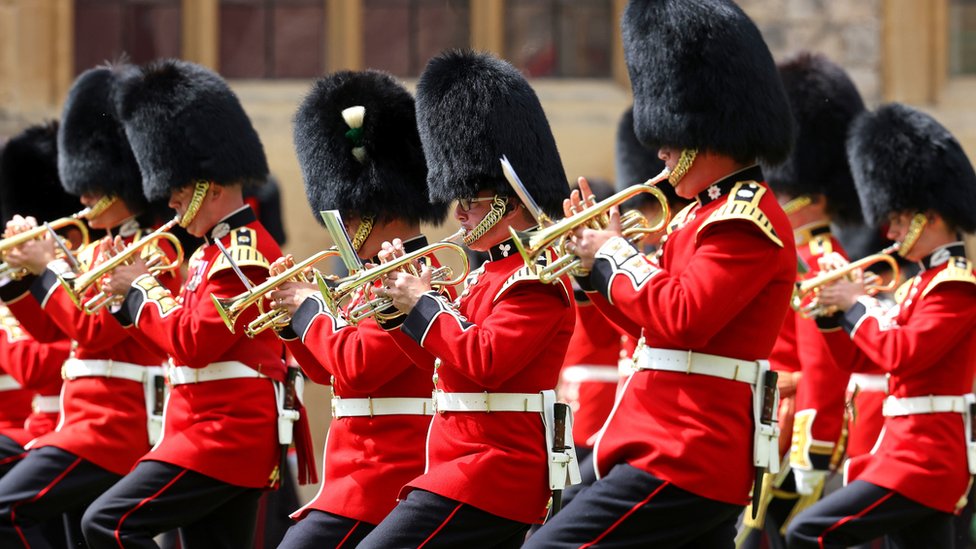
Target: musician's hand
[
  {"x": 586, "y": 242},
  {"x": 842, "y": 294},
  {"x": 290, "y": 295},
  {"x": 405, "y": 289},
  {"x": 19, "y": 224},
  {"x": 120, "y": 279},
  {"x": 281, "y": 265},
  {"x": 33, "y": 255}
]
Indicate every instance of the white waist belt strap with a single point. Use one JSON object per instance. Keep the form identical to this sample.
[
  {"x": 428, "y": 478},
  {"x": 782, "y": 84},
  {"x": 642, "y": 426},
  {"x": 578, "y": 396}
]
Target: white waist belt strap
[
  {"x": 46, "y": 404},
  {"x": 75, "y": 368},
  {"x": 8, "y": 383},
  {"x": 932, "y": 404},
  {"x": 874, "y": 383},
  {"x": 231, "y": 369},
  {"x": 487, "y": 402},
  {"x": 690, "y": 362},
  {"x": 386, "y": 406},
  {"x": 589, "y": 373}
]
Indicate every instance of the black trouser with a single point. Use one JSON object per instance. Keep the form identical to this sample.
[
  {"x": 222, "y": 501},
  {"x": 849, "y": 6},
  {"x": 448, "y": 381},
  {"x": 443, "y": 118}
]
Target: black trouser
[
  {"x": 42, "y": 486},
  {"x": 10, "y": 454},
  {"x": 321, "y": 530},
  {"x": 862, "y": 511},
  {"x": 431, "y": 521},
  {"x": 632, "y": 508},
  {"x": 777, "y": 513},
  {"x": 156, "y": 497},
  {"x": 587, "y": 478}
]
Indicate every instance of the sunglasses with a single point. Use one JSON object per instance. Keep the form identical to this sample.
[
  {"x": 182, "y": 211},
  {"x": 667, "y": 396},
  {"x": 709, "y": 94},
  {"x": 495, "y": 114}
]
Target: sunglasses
[{"x": 466, "y": 203}]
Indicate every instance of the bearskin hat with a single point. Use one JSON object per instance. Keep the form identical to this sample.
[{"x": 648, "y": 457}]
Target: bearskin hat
[
  {"x": 185, "y": 124},
  {"x": 636, "y": 163},
  {"x": 29, "y": 183},
  {"x": 824, "y": 102},
  {"x": 93, "y": 153},
  {"x": 904, "y": 160},
  {"x": 473, "y": 108},
  {"x": 374, "y": 167},
  {"x": 703, "y": 78}
]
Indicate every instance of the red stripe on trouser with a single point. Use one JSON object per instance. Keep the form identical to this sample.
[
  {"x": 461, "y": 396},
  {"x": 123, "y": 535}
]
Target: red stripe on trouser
[
  {"x": 349, "y": 533},
  {"x": 441, "y": 527},
  {"x": 845, "y": 520},
  {"x": 11, "y": 459},
  {"x": 118, "y": 527},
  {"x": 625, "y": 515},
  {"x": 37, "y": 496}
]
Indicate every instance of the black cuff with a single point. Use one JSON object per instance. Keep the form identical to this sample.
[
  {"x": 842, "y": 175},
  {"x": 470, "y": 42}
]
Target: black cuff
[
  {"x": 820, "y": 462},
  {"x": 418, "y": 321},
  {"x": 14, "y": 289},
  {"x": 303, "y": 317},
  {"x": 829, "y": 323},
  {"x": 131, "y": 305},
  {"x": 599, "y": 279},
  {"x": 585, "y": 285},
  {"x": 43, "y": 285},
  {"x": 852, "y": 317},
  {"x": 390, "y": 318}
]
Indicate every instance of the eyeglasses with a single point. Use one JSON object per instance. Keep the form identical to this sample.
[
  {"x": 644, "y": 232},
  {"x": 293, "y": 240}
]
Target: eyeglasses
[{"x": 466, "y": 203}]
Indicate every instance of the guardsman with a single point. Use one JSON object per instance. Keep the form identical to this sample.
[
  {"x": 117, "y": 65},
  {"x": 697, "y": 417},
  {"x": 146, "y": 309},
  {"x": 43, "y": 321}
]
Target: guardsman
[
  {"x": 357, "y": 141},
  {"x": 220, "y": 447},
  {"x": 105, "y": 417},
  {"x": 501, "y": 344},
  {"x": 910, "y": 171},
  {"x": 679, "y": 453},
  {"x": 817, "y": 189}
]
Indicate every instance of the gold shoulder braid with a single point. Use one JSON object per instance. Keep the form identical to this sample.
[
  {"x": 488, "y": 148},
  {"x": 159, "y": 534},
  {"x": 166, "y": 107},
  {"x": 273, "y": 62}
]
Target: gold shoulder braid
[
  {"x": 959, "y": 269},
  {"x": 242, "y": 250},
  {"x": 679, "y": 218},
  {"x": 743, "y": 203}
]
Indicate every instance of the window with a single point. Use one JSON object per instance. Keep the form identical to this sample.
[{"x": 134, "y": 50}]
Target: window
[
  {"x": 962, "y": 37},
  {"x": 560, "y": 38},
  {"x": 400, "y": 36},
  {"x": 142, "y": 29},
  {"x": 272, "y": 38}
]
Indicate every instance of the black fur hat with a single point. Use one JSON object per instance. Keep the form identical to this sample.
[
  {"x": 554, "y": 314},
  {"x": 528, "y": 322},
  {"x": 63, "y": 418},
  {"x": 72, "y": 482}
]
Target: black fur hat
[
  {"x": 824, "y": 102},
  {"x": 377, "y": 170},
  {"x": 93, "y": 153},
  {"x": 185, "y": 124},
  {"x": 703, "y": 78},
  {"x": 904, "y": 160},
  {"x": 636, "y": 163},
  {"x": 473, "y": 108},
  {"x": 29, "y": 183}
]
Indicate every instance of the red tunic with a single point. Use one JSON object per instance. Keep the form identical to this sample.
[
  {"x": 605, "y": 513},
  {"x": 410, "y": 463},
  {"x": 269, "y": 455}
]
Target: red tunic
[
  {"x": 103, "y": 420},
  {"x": 507, "y": 334},
  {"x": 367, "y": 460},
  {"x": 37, "y": 368},
  {"x": 225, "y": 429},
  {"x": 926, "y": 344},
  {"x": 722, "y": 288},
  {"x": 594, "y": 351},
  {"x": 822, "y": 388}
]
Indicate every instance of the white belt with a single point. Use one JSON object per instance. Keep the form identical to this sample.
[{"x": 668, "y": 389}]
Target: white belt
[
  {"x": 690, "y": 362},
  {"x": 231, "y": 369},
  {"x": 586, "y": 373},
  {"x": 873, "y": 383},
  {"x": 487, "y": 402},
  {"x": 8, "y": 383},
  {"x": 386, "y": 406},
  {"x": 46, "y": 404},
  {"x": 932, "y": 404},
  {"x": 74, "y": 368}
]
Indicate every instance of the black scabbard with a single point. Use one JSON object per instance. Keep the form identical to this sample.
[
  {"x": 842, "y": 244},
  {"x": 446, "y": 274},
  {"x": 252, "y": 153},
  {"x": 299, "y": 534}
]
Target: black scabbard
[{"x": 559, "y": 413}]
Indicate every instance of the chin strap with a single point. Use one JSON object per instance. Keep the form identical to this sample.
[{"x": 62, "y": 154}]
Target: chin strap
[
  {"x": 200, "y": 189},
  {"x": 797, "y": 204},
  {"x": 491, "y": 218},
  {"x": 99, "y": 207},
  {"x": 915, "y": 228},
  {"x": 362, "y": 232},
  {"x": 685, "y": 162}
]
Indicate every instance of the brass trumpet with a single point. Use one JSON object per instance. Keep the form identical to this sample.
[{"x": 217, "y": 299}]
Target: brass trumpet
[
  {"x": 156, "y": 260},
  {"x": 531, "y": 244},
  {"x": 812, "y": 286},
  {"x": 340, "y": 290},
  {"x": 75, "y": 220},
  {"x": 230, "y": 308}
]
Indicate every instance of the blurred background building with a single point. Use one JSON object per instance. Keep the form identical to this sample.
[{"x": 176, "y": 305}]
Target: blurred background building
[{"x": 921, "y": 52}]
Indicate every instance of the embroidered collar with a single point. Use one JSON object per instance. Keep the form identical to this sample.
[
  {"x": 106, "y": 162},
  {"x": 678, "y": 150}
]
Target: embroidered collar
[
  {"x": 722, "y": 187},
  {"x": 129, "y": 227},
  {"x": 502, "y": 250},
  {"x": 411, "y": 245},
  {"x": 238, "y": 218},
  {"x": 806, "y": 233},
  {"x": 942, "y": 255}
]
